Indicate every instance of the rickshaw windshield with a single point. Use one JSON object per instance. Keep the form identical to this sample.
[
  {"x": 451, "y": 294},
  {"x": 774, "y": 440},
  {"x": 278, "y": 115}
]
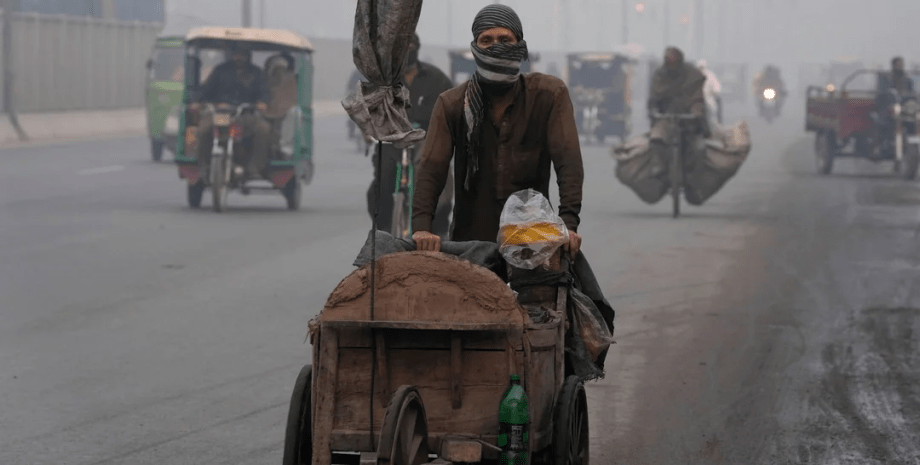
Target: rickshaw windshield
[
  {"x": 593, "y": 74},
  {"x": 213, "y": 57},
  {"x": 168, "y": 64}
]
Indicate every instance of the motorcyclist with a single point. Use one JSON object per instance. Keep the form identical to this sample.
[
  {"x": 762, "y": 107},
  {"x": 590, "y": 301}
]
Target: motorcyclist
[
  {"x": 425, "y": 82},
  {"x": 712, "y": 92},
  {"x": 769, "y": 78},
  {"x": 237, "y": 81}
]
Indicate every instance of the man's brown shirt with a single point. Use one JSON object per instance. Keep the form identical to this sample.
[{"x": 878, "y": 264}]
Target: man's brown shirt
[{"x": 536, "y": 133}]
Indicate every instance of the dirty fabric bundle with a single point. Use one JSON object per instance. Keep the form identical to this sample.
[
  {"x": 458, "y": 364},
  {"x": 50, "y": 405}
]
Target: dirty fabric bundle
[
  {"x": 588, "y": 310},
  {"x": 644, "y": 163},
  {"x": 383, "y": 32}
]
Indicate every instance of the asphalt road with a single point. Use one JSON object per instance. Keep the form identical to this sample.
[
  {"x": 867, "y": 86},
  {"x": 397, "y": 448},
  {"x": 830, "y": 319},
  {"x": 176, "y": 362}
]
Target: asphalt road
[{"x": 775, "y": 324}]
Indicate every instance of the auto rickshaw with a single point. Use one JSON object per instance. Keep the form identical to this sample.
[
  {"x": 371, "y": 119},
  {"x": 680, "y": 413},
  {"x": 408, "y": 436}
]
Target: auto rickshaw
[
  {"x": 165, "y": 82},
  {"x": 290, "y": 115},
  {"x": 733, "y": 77},
  {"x": 463, "y": 65},
  {"x": 601, "y": 85}
]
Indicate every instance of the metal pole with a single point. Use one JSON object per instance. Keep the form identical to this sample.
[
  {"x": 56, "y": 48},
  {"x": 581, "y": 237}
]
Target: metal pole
[
  {"x": 7, "y": 68},
  {"x": 247, "y": 13}
]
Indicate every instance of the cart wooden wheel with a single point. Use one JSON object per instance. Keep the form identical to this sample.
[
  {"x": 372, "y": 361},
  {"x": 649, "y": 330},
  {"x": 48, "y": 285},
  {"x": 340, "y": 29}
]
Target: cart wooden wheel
[
  {"x": 570, "y": 429},
  {"x": 404, "y": 436},
  {"x": 824, "y": 152},
  {"x": 298, "y": 436}
]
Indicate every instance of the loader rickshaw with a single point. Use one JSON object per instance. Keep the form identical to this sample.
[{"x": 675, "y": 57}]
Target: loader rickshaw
[
  {"x": 417, "y": 377},
  {"x": 289, "y": 114},
  {"x": 602, "y": 94},
  {"x": 865, "y": 118}
]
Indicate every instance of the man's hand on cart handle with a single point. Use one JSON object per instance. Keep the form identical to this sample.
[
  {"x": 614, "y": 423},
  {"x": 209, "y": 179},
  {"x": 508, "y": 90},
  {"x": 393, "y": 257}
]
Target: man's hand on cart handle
[
  {"x": 426, "y": 241},
  {"x": 574, "y": 244}
]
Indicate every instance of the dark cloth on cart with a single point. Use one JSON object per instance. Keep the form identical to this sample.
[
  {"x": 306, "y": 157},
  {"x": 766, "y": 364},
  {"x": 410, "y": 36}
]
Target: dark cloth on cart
[{"x": 581, "y": 279}]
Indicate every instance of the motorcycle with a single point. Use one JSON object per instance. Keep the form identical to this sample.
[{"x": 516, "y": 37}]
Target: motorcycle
[
  {"x": 769, "y": 104},
  {"x": 224, "y": 173}
]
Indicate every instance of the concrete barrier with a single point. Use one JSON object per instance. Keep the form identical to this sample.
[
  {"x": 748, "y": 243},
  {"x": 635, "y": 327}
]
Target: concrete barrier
[{"x": 83, "y": 125}]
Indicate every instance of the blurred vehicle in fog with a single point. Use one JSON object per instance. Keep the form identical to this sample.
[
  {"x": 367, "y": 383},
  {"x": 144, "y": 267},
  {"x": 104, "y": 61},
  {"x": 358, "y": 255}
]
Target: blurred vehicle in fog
[
  {"x": 865, "y": 118},
  {"x": 600, "y": 85},
  {"x": 165, "y": 83},
  {"x": 238, "y": 118},
  {"x": 770, "y": 92},
  {"x": 733, "y": 78}
]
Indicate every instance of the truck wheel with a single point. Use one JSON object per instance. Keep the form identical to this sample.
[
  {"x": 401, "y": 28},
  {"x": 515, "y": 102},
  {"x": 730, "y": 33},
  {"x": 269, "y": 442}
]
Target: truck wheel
[
  {"x": 824, "y": 152},
  {"x": 911, "y": 162}
]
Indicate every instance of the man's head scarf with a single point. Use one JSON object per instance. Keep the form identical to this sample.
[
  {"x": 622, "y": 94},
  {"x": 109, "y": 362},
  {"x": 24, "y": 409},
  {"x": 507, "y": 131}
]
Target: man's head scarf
[{"x": 498, "y": 66}]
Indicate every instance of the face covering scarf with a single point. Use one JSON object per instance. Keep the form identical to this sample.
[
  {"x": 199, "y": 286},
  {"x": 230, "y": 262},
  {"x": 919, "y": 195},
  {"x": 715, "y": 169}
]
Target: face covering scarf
[{"x": 497, "y": 69}]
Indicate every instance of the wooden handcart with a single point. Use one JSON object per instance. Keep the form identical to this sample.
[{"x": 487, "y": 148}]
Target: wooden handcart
[{"x": 419, "y": 378}]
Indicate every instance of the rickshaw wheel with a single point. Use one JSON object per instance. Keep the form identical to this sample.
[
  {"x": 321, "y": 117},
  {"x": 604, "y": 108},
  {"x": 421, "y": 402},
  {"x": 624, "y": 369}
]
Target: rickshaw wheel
[
  {"x": 298, "y": 436},
  {"x": 219, "y": 186},
  {"x": 824, "y": 152},
  {"x": 293, "y": 191},
  {"x": 156, "y": 149},
  {"x": 911, "y": 162},
  {"x": 404, "y": 435},
  {"x": 570, "y": 428},
  {"x": 195, "y": 193}
]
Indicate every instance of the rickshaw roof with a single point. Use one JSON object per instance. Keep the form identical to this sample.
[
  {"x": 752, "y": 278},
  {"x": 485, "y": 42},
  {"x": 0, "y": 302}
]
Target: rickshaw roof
[
  {"x": 594, "y": 56},
  {"x": 171, "y": 39},
  {"x": 245, "y": 34}
]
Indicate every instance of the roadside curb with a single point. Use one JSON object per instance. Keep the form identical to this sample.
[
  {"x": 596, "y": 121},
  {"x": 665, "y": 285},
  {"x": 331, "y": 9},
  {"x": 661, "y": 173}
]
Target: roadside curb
[{"x": 59, "y": 128}]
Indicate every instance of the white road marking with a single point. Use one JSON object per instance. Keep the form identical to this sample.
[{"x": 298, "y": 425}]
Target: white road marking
[{"x": 100, "y": 170}]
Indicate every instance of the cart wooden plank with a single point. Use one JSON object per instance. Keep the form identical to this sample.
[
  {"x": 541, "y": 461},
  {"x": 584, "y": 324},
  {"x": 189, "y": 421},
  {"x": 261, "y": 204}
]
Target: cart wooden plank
[{"x": 325, "y": 376}]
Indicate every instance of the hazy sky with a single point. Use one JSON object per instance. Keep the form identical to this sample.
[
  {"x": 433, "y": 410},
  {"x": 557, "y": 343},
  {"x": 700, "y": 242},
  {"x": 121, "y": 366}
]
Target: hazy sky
[{"x": 751, "y": 30}]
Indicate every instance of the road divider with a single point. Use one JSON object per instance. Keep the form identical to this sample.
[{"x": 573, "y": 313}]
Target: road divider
[{"x": 101, "y": 170}]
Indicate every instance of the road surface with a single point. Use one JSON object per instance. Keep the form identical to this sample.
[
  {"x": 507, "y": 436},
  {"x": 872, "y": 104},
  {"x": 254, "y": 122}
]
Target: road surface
[{"x": 778, "y": 323}]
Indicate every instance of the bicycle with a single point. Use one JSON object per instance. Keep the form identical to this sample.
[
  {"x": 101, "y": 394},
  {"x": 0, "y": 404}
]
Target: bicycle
[
  {"x": 677, "y": 140},
  {"x": 401, "y": 225}
]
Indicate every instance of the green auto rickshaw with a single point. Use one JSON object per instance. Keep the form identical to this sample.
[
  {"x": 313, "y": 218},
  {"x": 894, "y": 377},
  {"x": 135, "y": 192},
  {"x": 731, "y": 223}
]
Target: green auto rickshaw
[
  {"x": 165, "y": 77},
  {"x": 285, "y": 59}
]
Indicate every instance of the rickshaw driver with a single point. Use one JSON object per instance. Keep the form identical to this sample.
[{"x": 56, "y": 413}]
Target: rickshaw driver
[
  {"x": 506, "y": 129},
  {"x": 898, "y": 81},
  {"x": 237, "y": 81}
]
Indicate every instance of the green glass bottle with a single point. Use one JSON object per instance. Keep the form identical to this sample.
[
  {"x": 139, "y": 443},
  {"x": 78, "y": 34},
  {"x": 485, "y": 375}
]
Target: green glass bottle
[{"x": 514, "y": 423}]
